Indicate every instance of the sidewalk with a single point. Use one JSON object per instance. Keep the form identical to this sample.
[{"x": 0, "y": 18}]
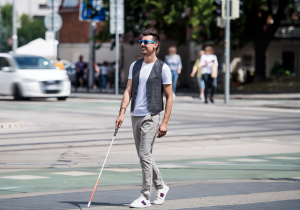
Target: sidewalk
[
  {"x": 282, "y": 101},
  {"x": 184, "y": 94},
  {"x": 267, "y": 195}
]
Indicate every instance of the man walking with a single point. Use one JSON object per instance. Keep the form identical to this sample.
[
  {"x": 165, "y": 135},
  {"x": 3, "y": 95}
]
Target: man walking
[
  {"x": 80, "y": 66},
  {"x": 148, "y": 79}
]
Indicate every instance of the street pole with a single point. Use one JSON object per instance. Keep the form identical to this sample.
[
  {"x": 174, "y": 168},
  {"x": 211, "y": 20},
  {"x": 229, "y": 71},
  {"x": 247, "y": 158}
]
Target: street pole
[
  {"x": 91, "y": 56},
  {"x": 14, "y": 36},
  {"x": 0, "y": 30},
  {"x": 53, "y": 31},
  {"x": 227, "y": 53},
  {"x": 117, "y": 54}
]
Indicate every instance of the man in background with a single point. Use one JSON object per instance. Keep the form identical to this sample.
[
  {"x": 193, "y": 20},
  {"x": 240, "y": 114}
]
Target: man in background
[{"x": 80, "y": 66}]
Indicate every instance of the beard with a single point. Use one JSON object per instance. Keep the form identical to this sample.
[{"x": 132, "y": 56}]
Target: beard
[{"x": 145, "y": 52}]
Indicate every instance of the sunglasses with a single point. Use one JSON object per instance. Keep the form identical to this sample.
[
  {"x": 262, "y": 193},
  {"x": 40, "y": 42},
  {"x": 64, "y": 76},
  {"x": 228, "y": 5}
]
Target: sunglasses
[{"x": 146, "y": 42}]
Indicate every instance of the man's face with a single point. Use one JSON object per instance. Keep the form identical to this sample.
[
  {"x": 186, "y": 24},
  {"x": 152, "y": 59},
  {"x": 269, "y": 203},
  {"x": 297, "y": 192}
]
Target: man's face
[
  {"x": 150, "y": 48},
  {"x": 80, "y": 58},
  {"x": 208, "y": 50},
  {"x": 172, "y": 50}
]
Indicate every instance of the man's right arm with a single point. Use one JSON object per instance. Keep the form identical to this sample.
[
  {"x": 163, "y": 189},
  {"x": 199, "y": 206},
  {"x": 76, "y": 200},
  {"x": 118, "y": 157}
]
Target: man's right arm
[{"x": 124, "y": 104}]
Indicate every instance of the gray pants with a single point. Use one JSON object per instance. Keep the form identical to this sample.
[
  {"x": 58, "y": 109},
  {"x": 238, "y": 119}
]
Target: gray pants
[{"x": 144, "y": 133}]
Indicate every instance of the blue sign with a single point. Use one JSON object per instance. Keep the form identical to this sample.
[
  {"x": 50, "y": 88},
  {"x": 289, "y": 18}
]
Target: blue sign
[{"x": 92, "y": 10}]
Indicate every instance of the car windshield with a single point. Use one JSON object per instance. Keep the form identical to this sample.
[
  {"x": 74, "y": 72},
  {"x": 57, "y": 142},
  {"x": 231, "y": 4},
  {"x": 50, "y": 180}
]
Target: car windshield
[{"x": 33, "y": 63}]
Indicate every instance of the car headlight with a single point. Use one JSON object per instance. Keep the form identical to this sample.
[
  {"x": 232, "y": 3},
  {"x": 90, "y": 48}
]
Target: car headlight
[{"x": 29, "y": 80}]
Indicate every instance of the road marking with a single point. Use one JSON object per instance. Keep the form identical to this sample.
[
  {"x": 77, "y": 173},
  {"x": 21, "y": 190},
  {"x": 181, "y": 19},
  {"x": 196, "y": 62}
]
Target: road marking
[
  {"x": 74, "y": 173},
  {"x": 187, "y": 164},
  {"x": 6, "y": 188},
  {"x": 247, "y": 160},
  {"x": 120, "y": 187},
  {"x": 285, "y": 158},
  {"x": 24, "y": 177},
  {"x": 170, "y": 166},
  {"x": 210, "y": 162},
  {"x": 122, "y": 169}
]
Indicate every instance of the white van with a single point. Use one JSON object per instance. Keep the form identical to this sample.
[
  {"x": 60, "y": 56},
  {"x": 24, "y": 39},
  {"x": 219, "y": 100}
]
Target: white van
[{"x": 30, "y": 76}]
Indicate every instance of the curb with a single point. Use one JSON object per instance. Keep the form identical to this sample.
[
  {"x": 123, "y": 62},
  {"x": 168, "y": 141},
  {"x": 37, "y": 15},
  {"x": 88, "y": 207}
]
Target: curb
[
  {"x": 281, "y": 107},
  {"x": 11, "y": 124}
]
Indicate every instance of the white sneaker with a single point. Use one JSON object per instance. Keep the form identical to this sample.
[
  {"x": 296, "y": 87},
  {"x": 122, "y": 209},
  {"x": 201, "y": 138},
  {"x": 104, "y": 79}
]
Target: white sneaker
[
  {"x": 201, "y": 97},
  {"x": 174, "y": 96},
  {"x": 141, "y": 202},
  {"x": 161, "y": 195}
]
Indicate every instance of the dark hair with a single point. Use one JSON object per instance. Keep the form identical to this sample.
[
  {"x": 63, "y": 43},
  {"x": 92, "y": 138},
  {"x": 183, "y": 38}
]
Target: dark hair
[{"x": 153, "y": 33}]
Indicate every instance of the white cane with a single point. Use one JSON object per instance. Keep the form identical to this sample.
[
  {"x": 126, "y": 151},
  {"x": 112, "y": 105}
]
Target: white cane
[{"x": 116, "y": 131}]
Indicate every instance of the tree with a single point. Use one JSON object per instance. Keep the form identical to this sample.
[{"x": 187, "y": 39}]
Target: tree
[
  {"x": 30, "y": 29},
  {"x": 258, "y": 25},
  {"x": 175, "y": 19},
  {"x": 6, "y": 23},
  {"x": 172, "y": 18}
]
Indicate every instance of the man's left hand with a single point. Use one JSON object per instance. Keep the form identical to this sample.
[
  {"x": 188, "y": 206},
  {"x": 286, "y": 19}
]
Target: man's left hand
[{"x": 162, "y": 131}]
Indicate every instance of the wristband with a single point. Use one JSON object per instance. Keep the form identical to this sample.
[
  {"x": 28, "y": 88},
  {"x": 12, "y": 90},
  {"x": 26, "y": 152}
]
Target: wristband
[{"x": 122, "y": 108}]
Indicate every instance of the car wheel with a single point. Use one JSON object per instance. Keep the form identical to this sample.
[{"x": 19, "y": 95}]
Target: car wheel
[
  {"x": 17, "y": 94},
  {"x": 62, "y": 98}
]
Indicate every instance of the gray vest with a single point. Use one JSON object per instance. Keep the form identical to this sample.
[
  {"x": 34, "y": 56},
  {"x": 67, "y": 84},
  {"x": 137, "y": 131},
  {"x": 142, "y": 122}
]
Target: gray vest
[{"x": 154, "y": 87}]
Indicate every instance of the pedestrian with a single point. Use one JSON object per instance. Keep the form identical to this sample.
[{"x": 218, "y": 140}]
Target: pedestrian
[
  {"x": 197, "y": 68},
  {"x": 104, "y": 75},
  {"x": 173, "y": 60},
  {"x": 60, "y": 64},
  {"x": 148, "y": 79},
  {"x": 80, "y": 66},
  {"x": 96, "y": 77},
  {"x": 208, "y": 62}
]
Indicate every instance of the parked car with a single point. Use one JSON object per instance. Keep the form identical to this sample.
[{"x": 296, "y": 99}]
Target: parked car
[
  {"x": 30, "y": 76},
  {"x": 71, "y": 71}
]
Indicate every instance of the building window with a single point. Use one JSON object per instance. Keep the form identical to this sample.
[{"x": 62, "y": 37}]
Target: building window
[{"x": 43, "y": 6}]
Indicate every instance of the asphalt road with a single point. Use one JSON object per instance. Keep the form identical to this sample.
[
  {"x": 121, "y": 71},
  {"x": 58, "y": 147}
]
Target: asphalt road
[{"x": 244, "y": 145}]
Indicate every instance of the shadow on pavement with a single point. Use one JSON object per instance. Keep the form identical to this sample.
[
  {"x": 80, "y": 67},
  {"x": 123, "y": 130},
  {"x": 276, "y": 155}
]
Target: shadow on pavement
[{"x": 84, "y": 204}]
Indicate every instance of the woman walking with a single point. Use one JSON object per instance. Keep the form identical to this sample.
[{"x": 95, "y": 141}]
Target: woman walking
[
  {"x": 208, "y": 62},
  {"x": 197, "y": 69},
  {"x": 173, "y": 60}
]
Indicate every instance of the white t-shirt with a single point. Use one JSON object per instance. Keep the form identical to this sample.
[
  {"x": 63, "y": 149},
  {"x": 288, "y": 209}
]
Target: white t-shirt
[
  {"x": 141, "y": 98},
  {"x": 207, "y": 58},
  {"x": 104, "y": 70}
]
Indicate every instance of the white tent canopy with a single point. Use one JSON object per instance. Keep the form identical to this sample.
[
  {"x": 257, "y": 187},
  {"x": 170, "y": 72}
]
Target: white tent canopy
[{"x": 40, "y": 47}]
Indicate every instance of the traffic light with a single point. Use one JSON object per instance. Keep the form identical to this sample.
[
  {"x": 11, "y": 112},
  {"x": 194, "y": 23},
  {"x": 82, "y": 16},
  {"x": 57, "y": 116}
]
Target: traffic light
[
  {"x": 235, "y": 9},
  {"x": 218, "y": 10}
]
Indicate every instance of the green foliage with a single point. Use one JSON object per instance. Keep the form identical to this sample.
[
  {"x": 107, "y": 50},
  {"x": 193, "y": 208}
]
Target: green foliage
[
  {"x": 170, "y": 17},
  {"x": 278, "y": 69},
  {"x": 6, "y": 23},
  {"x": 30, "y": 29}
]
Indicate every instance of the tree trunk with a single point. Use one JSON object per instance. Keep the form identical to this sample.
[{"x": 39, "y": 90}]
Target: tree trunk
[
  {"x": 264, "y": 34},
  {"x": 260, "y": 62}
]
